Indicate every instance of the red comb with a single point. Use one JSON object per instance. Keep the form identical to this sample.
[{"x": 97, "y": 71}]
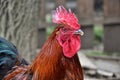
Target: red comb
[{"x": 62, "y": 16}]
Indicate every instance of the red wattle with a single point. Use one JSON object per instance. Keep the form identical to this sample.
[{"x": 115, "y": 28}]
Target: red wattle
[{"x": 70, "y": 46}]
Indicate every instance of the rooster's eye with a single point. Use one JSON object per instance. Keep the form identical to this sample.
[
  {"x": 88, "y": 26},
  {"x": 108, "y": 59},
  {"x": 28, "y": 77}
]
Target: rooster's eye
[{"x": 66, "y": 29}]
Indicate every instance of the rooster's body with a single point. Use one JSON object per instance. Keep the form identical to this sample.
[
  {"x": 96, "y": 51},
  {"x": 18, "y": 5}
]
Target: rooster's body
[
  {"x": 9, "y": 57},
  {"x": 57, "y": 59}
]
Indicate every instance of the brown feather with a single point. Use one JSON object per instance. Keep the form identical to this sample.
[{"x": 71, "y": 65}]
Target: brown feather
[{"x": 50, "y": 64}]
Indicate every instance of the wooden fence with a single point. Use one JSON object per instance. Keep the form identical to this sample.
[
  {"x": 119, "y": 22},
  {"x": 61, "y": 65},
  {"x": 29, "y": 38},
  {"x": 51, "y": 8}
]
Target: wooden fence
[{"x": 85, "y": 11}]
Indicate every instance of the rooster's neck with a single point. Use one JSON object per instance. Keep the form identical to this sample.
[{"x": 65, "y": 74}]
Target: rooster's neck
[{"x": 47, "y": 63}]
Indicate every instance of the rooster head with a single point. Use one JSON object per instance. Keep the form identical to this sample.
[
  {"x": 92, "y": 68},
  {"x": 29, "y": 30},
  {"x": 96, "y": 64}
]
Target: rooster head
[{"x": 69, "y": 33}]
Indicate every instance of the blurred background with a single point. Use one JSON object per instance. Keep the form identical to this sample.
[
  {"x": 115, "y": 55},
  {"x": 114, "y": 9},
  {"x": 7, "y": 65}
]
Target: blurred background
[{"x": 28, "y": 23}]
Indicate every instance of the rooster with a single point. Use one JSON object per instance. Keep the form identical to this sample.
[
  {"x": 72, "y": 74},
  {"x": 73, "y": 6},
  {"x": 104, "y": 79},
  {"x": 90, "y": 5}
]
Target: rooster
[
  {"x": 9, "y": 57},
  {"x": 58, "y": 59}
]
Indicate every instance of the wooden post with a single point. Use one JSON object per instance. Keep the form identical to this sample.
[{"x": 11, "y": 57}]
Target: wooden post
[
  {"x": 88, "y": 38},
  {"x": 112, "y": 27},
  {"x": 111, "y": 8},
  {"x": 41, "y": 37},
  {"x": 85, "y": 9},
  {"x": 85, "y": 14},
  {"x": 60, "y": 2},
  {"x": 42, "y": 28},
  {"x": 111, "y": 37}
]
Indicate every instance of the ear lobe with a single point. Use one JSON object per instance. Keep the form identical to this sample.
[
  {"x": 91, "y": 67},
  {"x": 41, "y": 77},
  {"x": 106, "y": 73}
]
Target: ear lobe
[{"x": 57, "y": 32}]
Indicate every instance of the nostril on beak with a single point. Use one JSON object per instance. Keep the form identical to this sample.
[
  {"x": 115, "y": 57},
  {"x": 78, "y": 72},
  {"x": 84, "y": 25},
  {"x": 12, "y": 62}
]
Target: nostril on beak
[{"x": 79, "y": 32}]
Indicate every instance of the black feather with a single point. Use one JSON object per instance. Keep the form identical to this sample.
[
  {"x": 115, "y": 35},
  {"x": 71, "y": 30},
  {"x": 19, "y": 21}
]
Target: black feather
[
  {"x": 6, "y": 46},
  {"x": 9, "y": 57}
]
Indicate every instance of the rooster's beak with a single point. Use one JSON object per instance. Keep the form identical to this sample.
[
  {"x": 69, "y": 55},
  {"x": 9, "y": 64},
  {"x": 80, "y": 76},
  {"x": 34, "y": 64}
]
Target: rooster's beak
[{"x": 79, "y": 32}]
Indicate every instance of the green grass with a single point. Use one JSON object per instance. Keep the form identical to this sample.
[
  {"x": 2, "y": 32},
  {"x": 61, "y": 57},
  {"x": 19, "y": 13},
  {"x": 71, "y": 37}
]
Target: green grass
[
  {"x": 49, "y": 30},
  {"x": 98, "y": 33},
  {"x": 97, "y": 53}
]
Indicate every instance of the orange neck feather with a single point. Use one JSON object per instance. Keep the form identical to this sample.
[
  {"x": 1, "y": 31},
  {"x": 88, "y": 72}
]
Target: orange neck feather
[
  {"x": 45, "y": 66},
  {"x": 50, "y": 64}
]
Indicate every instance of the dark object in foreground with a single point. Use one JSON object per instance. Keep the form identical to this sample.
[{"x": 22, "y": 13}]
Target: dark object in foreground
[{"x": 9, "y": 57}]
